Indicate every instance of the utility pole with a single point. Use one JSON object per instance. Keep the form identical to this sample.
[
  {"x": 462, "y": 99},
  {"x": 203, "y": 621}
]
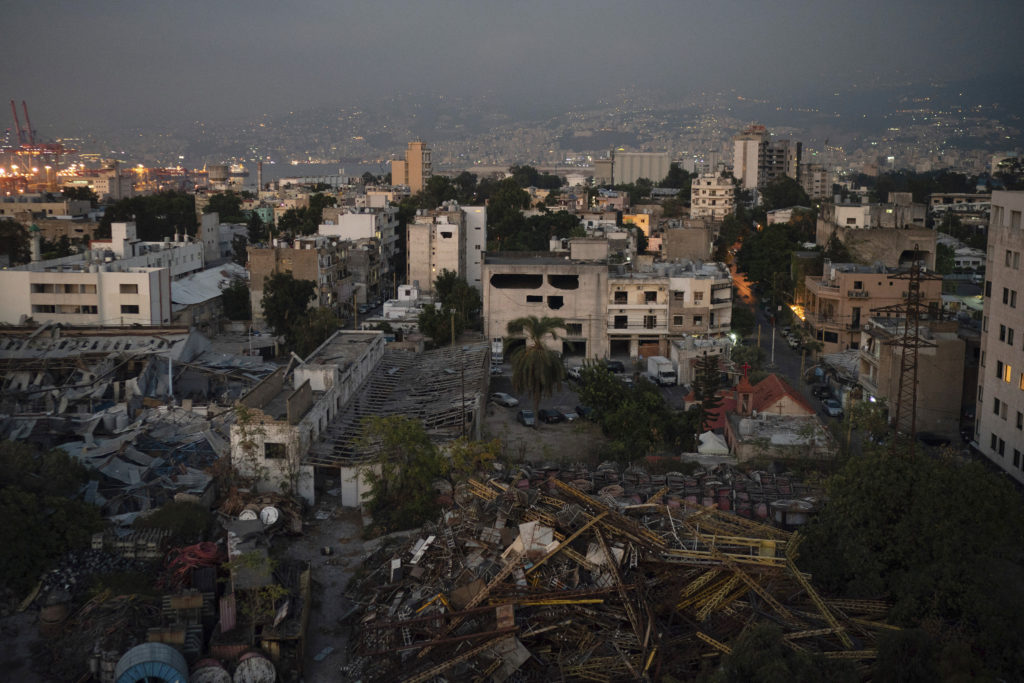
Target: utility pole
[{"x": 909, "y": 342}]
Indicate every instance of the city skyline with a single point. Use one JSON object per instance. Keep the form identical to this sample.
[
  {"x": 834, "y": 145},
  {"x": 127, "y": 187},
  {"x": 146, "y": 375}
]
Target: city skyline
[{"x": 145, "y": 65}]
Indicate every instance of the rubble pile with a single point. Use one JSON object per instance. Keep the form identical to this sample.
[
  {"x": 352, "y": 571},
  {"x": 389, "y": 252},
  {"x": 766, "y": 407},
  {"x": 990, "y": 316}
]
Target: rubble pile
[{"x": 568, "y": 575}]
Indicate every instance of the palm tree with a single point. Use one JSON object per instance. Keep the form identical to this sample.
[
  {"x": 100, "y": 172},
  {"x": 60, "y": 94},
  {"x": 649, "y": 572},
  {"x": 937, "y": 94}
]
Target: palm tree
[{"x": 536, "y": 370}]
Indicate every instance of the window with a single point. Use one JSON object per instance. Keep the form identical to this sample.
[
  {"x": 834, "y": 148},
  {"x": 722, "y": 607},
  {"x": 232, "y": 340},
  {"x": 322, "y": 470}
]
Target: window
[
  {"x": 1002, "y": 447},
  {"x": 534, "y": 299},
  {"x": 1002, "y": 411},
  {"x": 574, "y": 329},
  {"x": 1006, "y": 295},
  {"x": 698, "y": 296},
  {"x": 992, "y": 443},
  {"x": 698, "y": 320},
  {"x": 995, "y": 406},
  {"x": 858, "y": 284},
  {"x": 1009, "y": 338},
  {"x": 1016, "y": 458},
  {"x": 1020, "y": 420},
  {"x": 679, "y": 296},
  {"x": 274, "y": 451},
  {"x": 1009, "y": 258},
  {"x": 988, "y": 288},
  {"x": 678, "y": 320},
  {"x": 555, "y": 302},
  {"x": 1013, "y": 298},
  {"x": 621, "y": 297},
  {"x": 129, "y": 309},
  {"x": 129, "y": 289},
  {"x": 43, "y": 308},
  {"x": 620, "y": 322},
  {"x": 1008, "y": 373},
  {"x": 650, "y": 321},
  {"x": 1016, "y": 260},
  {"x": 1002, "y": 333},
  {"x": 650, "y": 297},
  {"x": 832, "y": 337}
]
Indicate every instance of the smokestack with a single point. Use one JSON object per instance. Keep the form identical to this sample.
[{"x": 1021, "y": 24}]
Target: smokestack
[{"x": 259, "y": 176}]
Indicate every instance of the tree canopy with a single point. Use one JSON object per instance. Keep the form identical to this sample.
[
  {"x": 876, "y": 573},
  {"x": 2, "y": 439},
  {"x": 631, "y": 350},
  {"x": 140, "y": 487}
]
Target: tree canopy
[
  {"x": 235, "y": 300},
  {"x": 228, "y": 205},
  {"x": 458, "y": 308},
  {"x": 536, "y": 370},
  {"x": 43, "y": 515},
  {"x": 782, "y": 193},
  {"x": 14, "y": 241},
  {"x": 156, "y": 216},
  {"x": 941, "y": 539},
  {"x": 285, "y": 302}
]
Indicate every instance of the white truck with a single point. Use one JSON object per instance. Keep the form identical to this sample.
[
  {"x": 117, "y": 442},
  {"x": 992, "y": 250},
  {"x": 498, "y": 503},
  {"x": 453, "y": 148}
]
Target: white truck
[{"x": 661, "y": 371}]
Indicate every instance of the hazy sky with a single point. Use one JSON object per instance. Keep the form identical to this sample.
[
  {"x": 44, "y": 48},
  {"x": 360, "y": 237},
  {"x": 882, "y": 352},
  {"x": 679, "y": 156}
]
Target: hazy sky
[{"x": 138, "y": 62}]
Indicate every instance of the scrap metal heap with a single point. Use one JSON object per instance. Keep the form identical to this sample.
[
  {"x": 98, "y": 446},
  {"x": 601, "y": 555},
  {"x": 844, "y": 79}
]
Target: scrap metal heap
[{"x": 541, "y": 580}]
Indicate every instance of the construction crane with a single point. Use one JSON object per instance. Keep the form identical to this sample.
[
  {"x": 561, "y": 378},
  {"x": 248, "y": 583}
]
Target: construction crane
[{"x": 27, "y": 145}]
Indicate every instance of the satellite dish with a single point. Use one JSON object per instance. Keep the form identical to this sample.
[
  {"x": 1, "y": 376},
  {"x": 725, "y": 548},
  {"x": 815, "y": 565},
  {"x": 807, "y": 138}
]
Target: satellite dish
[{"x": 269, "y": 515}]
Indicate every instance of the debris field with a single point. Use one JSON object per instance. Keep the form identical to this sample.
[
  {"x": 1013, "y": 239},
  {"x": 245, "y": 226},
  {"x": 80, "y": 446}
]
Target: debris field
[{"x": 534, "y": 578}]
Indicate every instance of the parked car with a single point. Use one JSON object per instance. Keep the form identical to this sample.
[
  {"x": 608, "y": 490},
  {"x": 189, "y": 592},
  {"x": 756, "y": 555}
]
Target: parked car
[
  {"x": 567, "y": 413},
  {"x": 615, "y": 366},
  {"x": 586, "y": 412},
  {"x": 793, "y": 341},
  {"x": 832, "y": 407},
  {"x": 549, "y": 416},
  {"x": 526, "y": 418},
  {"x": 574, "y": 372},
  {"x": 495, "y": 370},
  {"x": 503, "y": 399}
]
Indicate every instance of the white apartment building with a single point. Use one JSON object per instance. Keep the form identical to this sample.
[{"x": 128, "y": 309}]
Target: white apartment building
[
  {"x": 448, "y": 238},
  {"x": 712, "y": 196},
  {"x": 123, "y": 281},
  {"x": 999, "y": 427}
]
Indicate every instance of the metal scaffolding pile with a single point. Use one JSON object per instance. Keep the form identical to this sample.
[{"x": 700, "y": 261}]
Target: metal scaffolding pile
[{"x": 539, "y": 581}]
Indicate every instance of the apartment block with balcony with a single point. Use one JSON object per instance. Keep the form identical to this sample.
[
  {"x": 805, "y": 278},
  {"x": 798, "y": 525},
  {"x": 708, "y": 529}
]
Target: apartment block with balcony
[
  {"x": 940, "y": 371},
  {"x": 840, "y": 301},
  {"x": 999, "y": 427},
  {"x": 320, "y": 259},
  {"x": 436, "y": 240},
  {"x": 712, "y": 196},
  {"x": 365, "y": 225},
  {"x": 415, "y": 170}
]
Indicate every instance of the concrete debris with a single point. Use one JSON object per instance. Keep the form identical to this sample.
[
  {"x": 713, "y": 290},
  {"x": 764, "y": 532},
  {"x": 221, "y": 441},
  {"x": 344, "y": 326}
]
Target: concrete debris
[{"x": 603, "y": 575}]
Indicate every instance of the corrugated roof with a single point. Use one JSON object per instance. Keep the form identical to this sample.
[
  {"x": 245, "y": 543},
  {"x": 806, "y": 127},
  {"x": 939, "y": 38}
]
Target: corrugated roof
[{"x": 204, "y": 285}]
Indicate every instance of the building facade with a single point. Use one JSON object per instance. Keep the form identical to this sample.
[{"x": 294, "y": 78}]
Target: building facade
[
  {"x": 415, "y": 169},
  {"x": 320, "y": 259},
  {"x": 999, "y": 427},
  {"x": 438, "y": 240},
  {"x": 840, "y": 301},
  {"x": 712, "y": 196}
]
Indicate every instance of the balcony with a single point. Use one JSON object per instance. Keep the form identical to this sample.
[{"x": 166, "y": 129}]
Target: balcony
[{"x": 857, "y": 294}]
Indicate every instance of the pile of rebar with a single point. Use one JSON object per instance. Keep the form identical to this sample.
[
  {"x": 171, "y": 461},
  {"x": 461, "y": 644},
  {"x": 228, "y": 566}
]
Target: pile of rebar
[{"x": 538, "y": 580}]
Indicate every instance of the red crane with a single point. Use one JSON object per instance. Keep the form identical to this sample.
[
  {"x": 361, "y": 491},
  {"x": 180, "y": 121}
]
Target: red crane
[
  {"x": 28, "y": 124},
  {"x": 17, "y": 123}
]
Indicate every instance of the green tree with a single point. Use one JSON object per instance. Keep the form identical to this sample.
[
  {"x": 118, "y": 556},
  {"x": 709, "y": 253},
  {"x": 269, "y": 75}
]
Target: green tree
[
  {"x": 404, "y": 465},
  {"x": 235, "y": 300},
  {"x": 437, "y": 190},
  {"x": 943, "y": 259},
  {"x": 782, "y": 193},
  {"x": 315, "y": 327},
  {"x": 82, "y": 193},
  {"x": 14, "y": 241},
  {"x": 258, "y": 231},
  {"x": 240, "y": 250},
  {"x": 456, "y": 295},
  {"x": 536, "y": 370},
  {"x": 743, "y": 321},
  {"x": 285, "y": 302},
  {"x": 678, "y": 179},
  {"x": 228, "y": 205},
  {"x": 156, "y": 216},
  {"x": 505, "y": 212},
  {"x": 707, "y": 379},
  {"x": 761, "y": 655},
  {"x": 935, "y": 536},
  {"x": 43, "y": 515}
]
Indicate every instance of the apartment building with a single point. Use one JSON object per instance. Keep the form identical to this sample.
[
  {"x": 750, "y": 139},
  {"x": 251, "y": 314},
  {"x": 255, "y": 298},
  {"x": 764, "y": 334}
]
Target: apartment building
[
  {"x": 318, "y": 258},
  {"x": 999, "y": 429},
  {"x": 415, "y": 169},
  {"x": 758, "y": 160},
  {"x": 892, "y": 233},
  {"x": 712, "y": 196},
  {"x": 628, "y": 167},
  {"x": 359, "y": 224},
  {"x": 447, "y": 238},
  {"x": 25, "y": 207},
  {"x": 609, "y": 310},
  {"x": 940, "y": 371},
  {"x": 121, "y": 281},
  {"x": 841, "y": 300},
  {"x": 816, "y": 181}
]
